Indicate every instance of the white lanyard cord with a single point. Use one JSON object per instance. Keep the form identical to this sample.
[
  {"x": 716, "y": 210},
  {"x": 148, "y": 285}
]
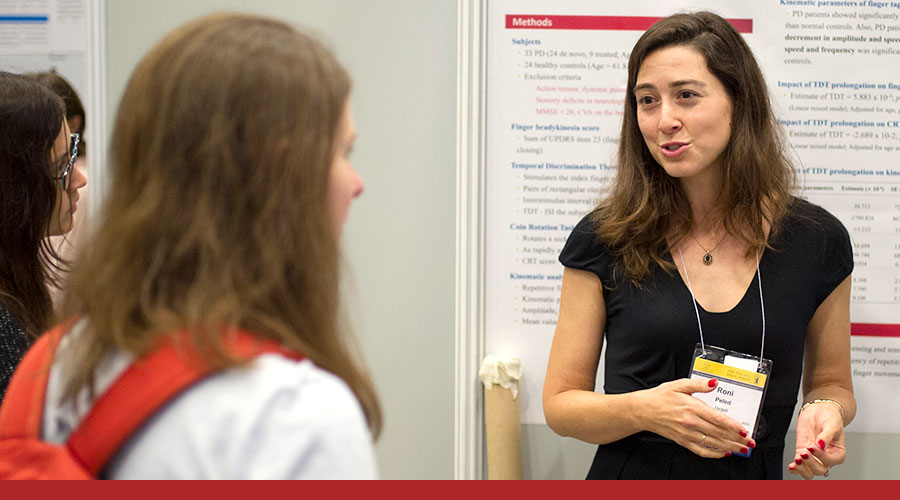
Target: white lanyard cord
[
  {"x": 762, "y": 305},
  {"x": 693, "y": 300}
]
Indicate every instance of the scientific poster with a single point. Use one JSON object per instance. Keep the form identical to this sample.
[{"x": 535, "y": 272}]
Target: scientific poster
[
  {"x": 40, "y": 35},
  {"x": 556, "y": 78}
]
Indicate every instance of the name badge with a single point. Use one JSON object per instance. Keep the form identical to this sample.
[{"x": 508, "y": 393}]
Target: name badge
[{"x": 742, "y": 381}]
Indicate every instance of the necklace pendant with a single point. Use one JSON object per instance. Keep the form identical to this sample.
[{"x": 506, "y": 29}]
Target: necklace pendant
[{"x": 707, "y": 259}]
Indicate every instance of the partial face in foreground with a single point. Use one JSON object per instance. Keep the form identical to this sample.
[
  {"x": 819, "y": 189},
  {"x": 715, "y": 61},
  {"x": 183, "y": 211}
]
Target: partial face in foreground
[
  {"x": 344, "y": 183},
  {"x": 62, "y": 220}
]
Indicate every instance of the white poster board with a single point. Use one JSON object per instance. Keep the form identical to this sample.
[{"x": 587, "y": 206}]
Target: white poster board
[
  {"x": 40, "y": 35},
  {"x": 556, "y": 78}
]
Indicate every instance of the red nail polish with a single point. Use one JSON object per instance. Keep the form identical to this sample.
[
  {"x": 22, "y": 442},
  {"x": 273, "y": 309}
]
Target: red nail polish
[
  {"x": 811, "y": 449},
  {"x": 822, "y": 444},
  {"x": 744, "y": 451},
  {"x": 751, "y": 444},
  {"x": 713, "y": 382},
  {"x": 727, "y": 453},
  {"x": 804, "y": 456},
  {"x": 743, "y": 433},
  {"x": 792, "y": 466},
  {"x": 798, "y": 461}
]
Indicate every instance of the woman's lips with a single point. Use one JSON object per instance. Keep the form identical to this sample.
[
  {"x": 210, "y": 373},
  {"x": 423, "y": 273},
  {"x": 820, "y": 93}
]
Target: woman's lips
[{"x": 674, "y": 149}]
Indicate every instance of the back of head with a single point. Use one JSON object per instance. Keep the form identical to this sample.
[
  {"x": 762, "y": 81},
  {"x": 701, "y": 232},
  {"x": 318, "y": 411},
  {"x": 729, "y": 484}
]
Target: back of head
[
  {"x": 218, "y": 213},
  {"x": 31, "y": 116},
  {"x": 74, "y": 108}
]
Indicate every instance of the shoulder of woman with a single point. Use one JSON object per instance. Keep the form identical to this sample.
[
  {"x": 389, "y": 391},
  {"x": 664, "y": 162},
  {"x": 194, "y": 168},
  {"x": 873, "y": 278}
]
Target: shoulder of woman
[
  {"x": 808, "y": 214},
  {"x": 583, "y": 248}
]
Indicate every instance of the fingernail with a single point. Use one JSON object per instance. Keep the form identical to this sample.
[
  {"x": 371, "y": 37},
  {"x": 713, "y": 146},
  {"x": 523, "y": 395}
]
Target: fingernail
[
  {"x": 798, "y": 461},
  {"x": 751, "y": 444},
  {"x": 822, "y": 444},
  {"x": 744, "y": 451},
  {"x": 727, "y": 453},
  {"x": 792, "y": 466},
  {"x": 804, "y": 456},
  {"x": 743, "y": 433},
  {"x": 713, "y": 382},
  {"x": 811, "y": 449}
]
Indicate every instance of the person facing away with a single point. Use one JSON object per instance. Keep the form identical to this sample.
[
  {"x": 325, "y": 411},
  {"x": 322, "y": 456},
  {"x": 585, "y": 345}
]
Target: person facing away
[
  {"x": 700, "y": 243},
  {"x": 231, "y": 180},
  {"x": 38, "y": 199}
]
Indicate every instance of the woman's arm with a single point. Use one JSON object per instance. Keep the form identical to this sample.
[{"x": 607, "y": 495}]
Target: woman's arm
[
  {"x": 571, "y": 408},
  {"x": 826, "y": 376}
]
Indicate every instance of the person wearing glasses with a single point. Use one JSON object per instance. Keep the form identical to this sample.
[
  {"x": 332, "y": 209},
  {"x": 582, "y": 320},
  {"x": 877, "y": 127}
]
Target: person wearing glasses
[
  {"x": 67, "y": 245},
  {"x": 38, "y": 198}
]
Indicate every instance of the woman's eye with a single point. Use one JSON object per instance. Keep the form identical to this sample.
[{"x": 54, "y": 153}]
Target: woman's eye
[
  {"x": 645, "y": 100},
  {"x": 686, "y": 94}
]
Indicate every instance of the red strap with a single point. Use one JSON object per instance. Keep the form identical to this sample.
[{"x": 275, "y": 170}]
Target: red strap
[
  {"x": 23, "y": 405},
  {"x": 145, "y": 387}
]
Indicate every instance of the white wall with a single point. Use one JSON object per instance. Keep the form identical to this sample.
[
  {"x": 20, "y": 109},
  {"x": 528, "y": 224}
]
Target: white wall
[{"x": 399, "y": 239}]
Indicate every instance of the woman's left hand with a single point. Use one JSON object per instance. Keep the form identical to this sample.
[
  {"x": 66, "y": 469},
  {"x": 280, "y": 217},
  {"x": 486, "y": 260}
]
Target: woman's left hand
[{"x": 820, "y": 440}]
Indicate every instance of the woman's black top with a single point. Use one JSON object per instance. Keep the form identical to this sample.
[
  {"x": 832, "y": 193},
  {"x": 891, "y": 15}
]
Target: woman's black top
[
  {"x": 651, "y": 333},
  {"x": 13, "y": 344}
]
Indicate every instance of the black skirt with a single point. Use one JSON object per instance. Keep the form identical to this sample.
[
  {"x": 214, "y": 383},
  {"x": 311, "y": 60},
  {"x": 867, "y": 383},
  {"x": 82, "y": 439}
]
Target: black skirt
[{"x": 648, "y": 456}]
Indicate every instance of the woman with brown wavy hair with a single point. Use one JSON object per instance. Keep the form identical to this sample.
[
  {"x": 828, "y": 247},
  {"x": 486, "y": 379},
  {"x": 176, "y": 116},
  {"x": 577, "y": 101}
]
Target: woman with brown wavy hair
[
  {"x": 231, "y": 179},
  {"x": 38, "y": 195},
  {"x": 701, "y": 257}
]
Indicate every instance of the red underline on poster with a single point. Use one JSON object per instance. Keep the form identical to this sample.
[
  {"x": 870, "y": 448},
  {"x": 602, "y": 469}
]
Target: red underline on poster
[
  {"x": 613, "y": 23},
  {"x": 874, "y": 330}
]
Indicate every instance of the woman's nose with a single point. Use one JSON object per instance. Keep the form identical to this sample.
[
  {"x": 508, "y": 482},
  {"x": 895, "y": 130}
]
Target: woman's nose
[{"x": 669, "y": 121}]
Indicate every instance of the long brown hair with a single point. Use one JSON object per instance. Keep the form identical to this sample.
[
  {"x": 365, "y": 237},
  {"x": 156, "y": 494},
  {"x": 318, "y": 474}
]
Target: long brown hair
[
  {"x": 218, "y": 213},
  {"x": 31, "y": 116},
  {"x": 646, "y": 206}
]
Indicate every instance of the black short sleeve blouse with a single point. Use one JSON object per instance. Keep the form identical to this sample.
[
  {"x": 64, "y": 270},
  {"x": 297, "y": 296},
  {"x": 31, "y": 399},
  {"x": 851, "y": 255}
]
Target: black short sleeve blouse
[{"x": 651, "y": 332}]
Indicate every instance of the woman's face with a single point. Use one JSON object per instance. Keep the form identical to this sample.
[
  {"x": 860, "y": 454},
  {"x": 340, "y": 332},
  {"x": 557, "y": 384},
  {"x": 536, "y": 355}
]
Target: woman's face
[
  {"x": 684, "y": 113},
  {"x": 344, "y": 183},
  {"x": 67, "y": 201}
]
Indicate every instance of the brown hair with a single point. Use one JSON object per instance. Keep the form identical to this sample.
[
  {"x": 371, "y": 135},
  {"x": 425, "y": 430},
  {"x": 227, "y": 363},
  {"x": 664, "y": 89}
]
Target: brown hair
[
  {"x": 31, "y": 116},
  {"x": 218, "y": 211},
  {"x": 646, "y": 206}
]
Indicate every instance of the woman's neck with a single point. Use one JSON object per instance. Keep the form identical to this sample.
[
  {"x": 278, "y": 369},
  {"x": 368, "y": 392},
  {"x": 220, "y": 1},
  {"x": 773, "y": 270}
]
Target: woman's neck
[{"x": 702, "y": 195}]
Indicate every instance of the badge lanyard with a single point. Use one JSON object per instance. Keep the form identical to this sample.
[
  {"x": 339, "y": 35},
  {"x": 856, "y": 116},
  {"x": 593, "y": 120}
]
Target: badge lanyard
[
  {"x": 741, "y": 392},
  {"x": 762, "y": 306}
]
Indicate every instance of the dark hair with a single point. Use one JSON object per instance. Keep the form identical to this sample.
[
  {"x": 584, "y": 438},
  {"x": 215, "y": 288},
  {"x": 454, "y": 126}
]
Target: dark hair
[
  {"x": 55, "y": 82},
  {"x": 646, "y": 206},
  {"x": 218, "y": 207},
  {"x": 31, "y": 116},
  {"x": 74, "y": 109}
]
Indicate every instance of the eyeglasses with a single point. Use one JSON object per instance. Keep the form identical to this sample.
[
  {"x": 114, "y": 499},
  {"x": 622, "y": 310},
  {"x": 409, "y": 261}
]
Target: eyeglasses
[{"x": 65, "y": 178}]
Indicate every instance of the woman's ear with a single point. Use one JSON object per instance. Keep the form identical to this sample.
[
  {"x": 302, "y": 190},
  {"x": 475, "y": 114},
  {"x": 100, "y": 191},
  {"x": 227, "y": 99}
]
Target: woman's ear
[{"x": 75, "y": 124}]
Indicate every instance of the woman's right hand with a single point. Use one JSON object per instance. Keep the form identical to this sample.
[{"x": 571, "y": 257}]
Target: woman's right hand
[{"x": 671, "y": 411}]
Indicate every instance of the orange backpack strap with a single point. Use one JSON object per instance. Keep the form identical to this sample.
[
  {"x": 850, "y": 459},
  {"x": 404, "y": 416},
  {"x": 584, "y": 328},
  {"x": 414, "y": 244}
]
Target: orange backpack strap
[
  {"x": 146, "y": 386},
  {"x": 23, "y": 406}
]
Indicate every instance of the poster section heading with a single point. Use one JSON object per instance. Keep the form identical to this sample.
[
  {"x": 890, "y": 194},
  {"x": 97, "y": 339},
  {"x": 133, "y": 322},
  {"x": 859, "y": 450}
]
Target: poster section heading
[{"x": 623, "y": 23}]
